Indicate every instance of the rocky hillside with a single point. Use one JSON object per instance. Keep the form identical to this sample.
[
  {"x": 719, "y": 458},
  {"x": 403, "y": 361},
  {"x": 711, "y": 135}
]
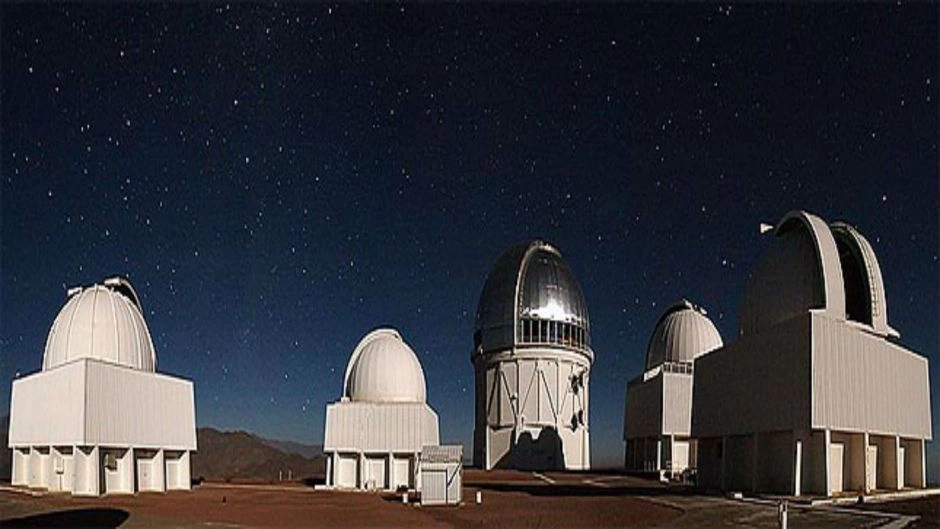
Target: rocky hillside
[{"x": 243, "y": 456}]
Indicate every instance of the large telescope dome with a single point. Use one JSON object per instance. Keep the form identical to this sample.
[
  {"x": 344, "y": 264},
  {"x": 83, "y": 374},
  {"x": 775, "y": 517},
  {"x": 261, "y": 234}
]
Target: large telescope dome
[
  {"x": 531, "y": 296},
  {"x": 102, "y": 322},
  {"x": 812, "y": 265},
  {"x": 383, "y": 368},
  {"x": 682, "y": 334}
]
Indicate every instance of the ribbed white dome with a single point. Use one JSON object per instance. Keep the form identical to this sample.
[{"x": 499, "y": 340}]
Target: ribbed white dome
[
  {"x": 682, "y": 334},
  {"x": 103, "y": 322},
  {"x": 815, "y": 266},
  {"x": 383, "y": 368}
]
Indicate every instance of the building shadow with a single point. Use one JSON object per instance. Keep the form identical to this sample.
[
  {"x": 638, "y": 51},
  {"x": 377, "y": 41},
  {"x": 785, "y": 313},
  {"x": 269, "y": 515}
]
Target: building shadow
[
  {"x": 313, "y": 481},
  {"x": 585, "y": 489},
  {"x": 544, "y": 453},
  {"x": 77, "y": 518}
]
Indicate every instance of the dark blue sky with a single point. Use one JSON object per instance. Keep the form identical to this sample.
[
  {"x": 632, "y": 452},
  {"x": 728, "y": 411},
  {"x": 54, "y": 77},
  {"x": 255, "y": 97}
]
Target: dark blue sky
[{"x": 278, "y": 180}]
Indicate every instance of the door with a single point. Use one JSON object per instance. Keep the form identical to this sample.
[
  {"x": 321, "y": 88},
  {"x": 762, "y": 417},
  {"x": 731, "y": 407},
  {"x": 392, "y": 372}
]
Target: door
[
  {"x": 836, "y": 457},
  {"x": 401, "y": 472},
  {"x": 433, "y": 487},
  {"x": 680, "y": 456},
  {"x": 871, "y": 468},
  {"x": 346, "y": 472},
  {"x": 376, "y": 473}
]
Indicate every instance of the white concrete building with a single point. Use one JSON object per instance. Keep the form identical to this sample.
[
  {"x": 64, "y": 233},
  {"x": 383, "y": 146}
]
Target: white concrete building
[
  {"x": 98, "y": 419},
  {"x": 532, "y": 360},
  {"x": 815, "y": 397},
  {"x": 658, "y": 410},
  {"x": 376, "y": 431}
]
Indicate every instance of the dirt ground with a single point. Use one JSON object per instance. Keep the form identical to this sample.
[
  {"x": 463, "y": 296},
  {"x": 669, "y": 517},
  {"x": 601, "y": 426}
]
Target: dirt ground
[
  {"x": 928, "y": 509},
  {"x": 510, "y": 500}
]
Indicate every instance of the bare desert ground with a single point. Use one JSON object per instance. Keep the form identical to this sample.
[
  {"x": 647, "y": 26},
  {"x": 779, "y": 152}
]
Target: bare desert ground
[{"x": 510, "y": 500}]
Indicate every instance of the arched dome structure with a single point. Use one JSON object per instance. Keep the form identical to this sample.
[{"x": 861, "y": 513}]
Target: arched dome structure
[
  {"x": 531, "y": 296},
  {"x": 815, "y": 266},
  {"x": 102, "y": 322},
  {"x": 383, "y": 368},
  {"x": 682, "y": 334}
]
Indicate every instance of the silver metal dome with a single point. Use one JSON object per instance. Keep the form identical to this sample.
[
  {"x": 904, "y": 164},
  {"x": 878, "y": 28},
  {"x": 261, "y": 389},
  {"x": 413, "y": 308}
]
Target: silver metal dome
[{"x": 531, "y": 296}]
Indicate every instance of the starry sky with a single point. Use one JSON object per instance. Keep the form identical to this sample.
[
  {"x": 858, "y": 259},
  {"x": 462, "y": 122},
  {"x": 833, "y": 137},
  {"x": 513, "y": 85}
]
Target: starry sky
[{"x": 277, "y": 180}]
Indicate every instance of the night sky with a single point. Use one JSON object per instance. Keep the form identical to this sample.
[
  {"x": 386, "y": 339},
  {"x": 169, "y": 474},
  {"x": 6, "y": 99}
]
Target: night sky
[{"x": 278, "y": 180}]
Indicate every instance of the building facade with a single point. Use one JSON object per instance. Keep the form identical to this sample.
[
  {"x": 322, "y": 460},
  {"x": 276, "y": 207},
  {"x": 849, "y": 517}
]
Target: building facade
[
  {"x": 98, "y": 419},
  {"x": 658, "y": 409},
  {"x": 375, "y": 432},
  {"x": 532, "y": 359},
  {"x": 816, "y": 397}
]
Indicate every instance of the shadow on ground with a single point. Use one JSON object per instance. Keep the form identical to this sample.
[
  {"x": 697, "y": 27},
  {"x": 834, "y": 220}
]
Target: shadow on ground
[
  {"x": 586, "y": 489},
  {"x": 77, "y": 518}
]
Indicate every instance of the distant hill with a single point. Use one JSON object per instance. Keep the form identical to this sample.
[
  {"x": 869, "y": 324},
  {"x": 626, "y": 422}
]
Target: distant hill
[
  {"x": 293, "y": 447},
  {"x": 242, "y": 456}
]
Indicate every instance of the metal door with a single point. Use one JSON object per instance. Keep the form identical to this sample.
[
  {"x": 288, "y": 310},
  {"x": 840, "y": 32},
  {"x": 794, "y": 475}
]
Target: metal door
[
  {"x": 836, "y": 453},
  {"x": 871, "y": 468}
]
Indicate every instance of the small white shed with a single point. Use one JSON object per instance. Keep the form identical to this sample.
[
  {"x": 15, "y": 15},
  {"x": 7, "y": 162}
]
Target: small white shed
[{"x": 441, "y": 470}]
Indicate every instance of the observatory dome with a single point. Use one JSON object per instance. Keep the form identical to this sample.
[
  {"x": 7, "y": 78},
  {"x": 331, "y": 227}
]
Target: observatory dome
[
  {"x": 815, "y": 266},
  {"x": 532, "y": 296},
  {"x": 102, "y": 322},
  {"x": 682, "y": 334},
  {"x": 383, "y": 368}
]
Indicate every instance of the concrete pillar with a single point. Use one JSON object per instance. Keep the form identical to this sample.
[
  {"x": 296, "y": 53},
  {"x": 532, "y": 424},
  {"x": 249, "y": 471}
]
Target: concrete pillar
[
  {"x": 827, "y": 440},
  {"x": 898, "y": 464},
  {"x": 362, "y": 471},
  {"x": 20, "y": 470},
  {"x": 390, "y": 472},
  {"x": 87, "y": 471},
  {"x": 159, "y": 470},
  {"x": 866, "y": 464},
  {"x": 797, "y": 466},
  {"x": 186, "y": 471}
]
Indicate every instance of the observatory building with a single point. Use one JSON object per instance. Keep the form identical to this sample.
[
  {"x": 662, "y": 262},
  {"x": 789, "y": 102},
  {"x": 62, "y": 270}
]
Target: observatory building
[
  {"x": 658, "y": 411},
  {"x": 98, "y": 419},
  {"x": 815, "y": 396},
  {"x": 376, "y": 431},
  {"x": 532, "y": 359}
]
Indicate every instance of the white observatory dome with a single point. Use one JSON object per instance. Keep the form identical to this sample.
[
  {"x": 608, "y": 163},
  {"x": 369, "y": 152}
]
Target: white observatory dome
[
  {"x": 383, "y": 368},
  {"x": 682, "y": 334},
  {"x": 815, "y": 266},
  {"x": 531, "y": 296},
  {"x": 101, "y": 322}
]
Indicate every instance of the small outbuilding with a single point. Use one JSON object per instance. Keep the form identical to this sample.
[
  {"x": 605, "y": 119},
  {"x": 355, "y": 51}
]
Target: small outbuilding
[{"x": 441, "y": 475}]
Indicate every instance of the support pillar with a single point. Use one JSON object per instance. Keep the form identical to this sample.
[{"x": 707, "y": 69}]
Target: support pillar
[
  {"x": 827, "y": 440},
  {"x": 797, "y": 467}
]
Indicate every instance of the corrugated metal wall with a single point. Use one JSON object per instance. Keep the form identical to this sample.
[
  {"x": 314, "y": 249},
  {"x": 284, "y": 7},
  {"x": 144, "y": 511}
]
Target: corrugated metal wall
[
  {"x": 47, "y": 407},
  {"x": 128, "y": 407},
  {"x": 677, "y": 403},
  {"x": 355, "y": 426},
  {"x": 760, "y": 383},
  {"x": 862, "y": 382},
  {"x": 88, "y": 402},
  {"x": 644, "y": 409}
]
